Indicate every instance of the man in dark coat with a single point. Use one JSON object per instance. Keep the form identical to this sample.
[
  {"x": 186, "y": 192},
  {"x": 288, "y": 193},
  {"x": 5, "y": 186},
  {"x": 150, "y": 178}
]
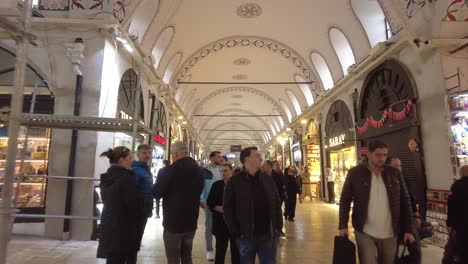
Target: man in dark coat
[
  {"x": 381, "y": 207},
  {"x": 180, "y": 187},
  {"x": 252, "y": 210},
  {"x": 161, "y": 172},
  {"x": 219, "y": 228},
  {"x": 457, "y": 217}
]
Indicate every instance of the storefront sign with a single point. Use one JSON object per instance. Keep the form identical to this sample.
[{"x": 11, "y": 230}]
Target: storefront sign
[
  {"x": 336, "y": 141},
  {"x": 236, "y": 148},
  {"x": 159, "y": 139}
]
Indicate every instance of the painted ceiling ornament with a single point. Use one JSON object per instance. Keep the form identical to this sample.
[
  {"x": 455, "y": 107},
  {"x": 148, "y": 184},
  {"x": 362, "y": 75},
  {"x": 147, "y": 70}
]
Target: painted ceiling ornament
[
  {"x": 457, "y": 10},
  {"x": 249, "y": 10},
  {"x": 87, "y": 4},
  {"x": 242, "y": 62},
  {"x": 411, "y": 7},
  {"x": 240, "y": 77},
  {"x": 54, "y": 5}
]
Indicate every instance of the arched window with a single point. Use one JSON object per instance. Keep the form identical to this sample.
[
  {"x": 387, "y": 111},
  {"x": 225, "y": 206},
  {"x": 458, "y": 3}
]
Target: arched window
[
  {"x": 322, "y": 69},
  {"x": 342, "y": 49},
  {"x": 272, "y": 128},
  {"x": 295, "y": 102},
  {"x": 161, "y": 45},
  {"x": 142, "y": 18},
  {"x": 171, "y": 67},
  {"x": 286, "y": 109},
  {"x": 280, "y": 118},
  {"x": 305, "y": 90},
  {"x": 275, "y": 124},
  {"x": 182, "y": 88},
  {"x": 372, "y": 18}
]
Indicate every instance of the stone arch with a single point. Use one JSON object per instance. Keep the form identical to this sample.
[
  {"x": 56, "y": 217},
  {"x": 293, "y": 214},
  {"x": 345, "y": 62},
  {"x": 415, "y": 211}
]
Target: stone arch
[{"x": 249, "y": 41}]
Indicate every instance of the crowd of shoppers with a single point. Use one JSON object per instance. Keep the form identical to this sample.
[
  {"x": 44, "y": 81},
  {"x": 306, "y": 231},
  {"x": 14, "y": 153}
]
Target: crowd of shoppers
[{"x": 243, "y": 207}]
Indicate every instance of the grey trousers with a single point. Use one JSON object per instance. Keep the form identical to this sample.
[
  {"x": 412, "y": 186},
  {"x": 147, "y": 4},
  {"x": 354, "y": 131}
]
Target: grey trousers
[
  {"x": 178, "y": 247},
  {"x": 372, "y": 250},
  {"x": 208, "y": 229}
]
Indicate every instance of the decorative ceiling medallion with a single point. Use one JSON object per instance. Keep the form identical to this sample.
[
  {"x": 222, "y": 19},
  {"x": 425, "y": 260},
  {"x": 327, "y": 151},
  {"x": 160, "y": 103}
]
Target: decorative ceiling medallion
[
  {"x": 240, "y": 77},
  {"x": 249, "y": 10},
  {"x": 242, "y": 62},
  {"x": 237, "y": 96}
]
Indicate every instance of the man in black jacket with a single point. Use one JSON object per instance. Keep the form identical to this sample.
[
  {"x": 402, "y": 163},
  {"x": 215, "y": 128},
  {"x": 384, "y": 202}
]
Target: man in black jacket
[
  {"x": 457, "y": 217},
  {"x": 252, "y": 210},
  {"x": 180, "y": 186}
]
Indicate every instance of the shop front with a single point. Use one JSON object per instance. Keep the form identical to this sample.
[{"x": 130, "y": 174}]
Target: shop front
[
  {"x": 311, "y": 148},
  {"x": 340, "y": 145},
  {"x": 33, "y": 153},
  {"x": 387, "y": 112},
  {"x": 126, "y": 109},
  {"x": 296, "y": 150},
  {"x": 159, "y": 126}
]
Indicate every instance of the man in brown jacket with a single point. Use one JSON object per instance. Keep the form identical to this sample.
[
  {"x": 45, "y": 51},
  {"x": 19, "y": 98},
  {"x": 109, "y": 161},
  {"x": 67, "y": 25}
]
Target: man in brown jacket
[{"x": 381, "y": 207}]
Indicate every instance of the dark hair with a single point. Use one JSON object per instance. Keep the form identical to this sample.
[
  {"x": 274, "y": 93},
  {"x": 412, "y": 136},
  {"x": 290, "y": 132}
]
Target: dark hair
[
  {"x": 377, "y": 144},
  {"x": 245, "y": 153},
  {"x": 143, "y": 147},
  {"x": 227, "y": 165},
  {"x": 213, "y": 153},
  {"x": 165, "y": 162},
  {"x": 269, "y": 162},
  {"x": 114, "y": 155}
]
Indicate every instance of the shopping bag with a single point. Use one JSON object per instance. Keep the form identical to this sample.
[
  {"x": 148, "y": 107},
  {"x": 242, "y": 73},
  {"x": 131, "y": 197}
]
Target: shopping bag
[
  {"x": 344, "y": 251},
  {"x": 402, "y": 258}
]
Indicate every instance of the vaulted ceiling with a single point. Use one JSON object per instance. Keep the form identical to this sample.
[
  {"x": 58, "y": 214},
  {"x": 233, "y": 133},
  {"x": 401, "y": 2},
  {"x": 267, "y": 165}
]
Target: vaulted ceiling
[{"x": 223, "y": 50}]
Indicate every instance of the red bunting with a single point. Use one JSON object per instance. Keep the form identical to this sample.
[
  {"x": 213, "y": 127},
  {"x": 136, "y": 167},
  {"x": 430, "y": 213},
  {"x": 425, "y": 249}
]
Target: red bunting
[{"x": 388, "y": 113}]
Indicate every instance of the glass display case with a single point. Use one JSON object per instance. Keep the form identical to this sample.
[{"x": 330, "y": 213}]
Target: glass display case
[
  {"x": 313, "y": 163},
  {"x": 29, "y": 192},
  {"x": 341, "y": 161}
]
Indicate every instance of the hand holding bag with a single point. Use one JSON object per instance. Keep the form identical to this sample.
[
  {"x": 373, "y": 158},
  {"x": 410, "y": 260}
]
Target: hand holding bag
[{"x": 344, "y": 251}]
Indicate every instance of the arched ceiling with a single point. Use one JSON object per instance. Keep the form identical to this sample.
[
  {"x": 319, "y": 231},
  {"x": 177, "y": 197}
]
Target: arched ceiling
[{"x": 237, "y": 43}]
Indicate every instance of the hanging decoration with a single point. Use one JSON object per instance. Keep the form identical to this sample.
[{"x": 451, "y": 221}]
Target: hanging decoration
[{"x": 388, "y": 113}]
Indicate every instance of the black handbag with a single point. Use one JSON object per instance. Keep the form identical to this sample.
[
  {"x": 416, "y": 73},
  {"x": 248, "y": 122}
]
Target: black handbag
[
  {"x": 402, "y": 258},
  {"x": 344, "y": 251}
]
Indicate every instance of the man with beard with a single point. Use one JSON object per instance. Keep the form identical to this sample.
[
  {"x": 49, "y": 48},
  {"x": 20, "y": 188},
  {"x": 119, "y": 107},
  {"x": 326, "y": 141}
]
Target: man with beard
[{"x": 381, "y": 207}]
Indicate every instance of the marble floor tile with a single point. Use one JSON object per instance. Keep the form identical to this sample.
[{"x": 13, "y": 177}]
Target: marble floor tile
[{"x": 309, "y": 240}]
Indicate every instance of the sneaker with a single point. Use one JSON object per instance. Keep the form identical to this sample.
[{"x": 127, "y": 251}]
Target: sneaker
[{"x": 209, "y": 256}]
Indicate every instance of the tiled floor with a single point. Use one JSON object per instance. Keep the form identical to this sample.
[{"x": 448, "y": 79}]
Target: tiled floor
[{"x": 309, "y": 240}]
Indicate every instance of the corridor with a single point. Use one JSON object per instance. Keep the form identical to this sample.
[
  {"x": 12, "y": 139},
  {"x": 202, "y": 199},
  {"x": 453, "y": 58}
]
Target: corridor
[{"x": 309, "y": 240}]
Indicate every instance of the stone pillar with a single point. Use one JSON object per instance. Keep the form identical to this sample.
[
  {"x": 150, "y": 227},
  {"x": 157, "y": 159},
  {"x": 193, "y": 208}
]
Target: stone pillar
[{"x": 82, "y": 199}]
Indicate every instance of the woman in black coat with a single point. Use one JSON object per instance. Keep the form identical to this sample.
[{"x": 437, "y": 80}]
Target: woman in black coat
[
  {"x": 219, "y": 228},
  {"x": 118, "y": 240},
  {"x": 292, "y": 190}
]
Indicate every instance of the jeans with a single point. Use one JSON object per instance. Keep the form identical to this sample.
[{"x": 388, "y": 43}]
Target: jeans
[
  {"x": 157, "y": 207},
  {"x": 130, "y": 259},
  {"x": 290, "y": 207},
  {"x": 265, "y": 248},
  {"x": 208, "y": 228},
  {"x": 331, "y": 191},
  {"x": 141, "y": 224},
  {"x": 372, "y": 250},
  {"x": 178, "y": 247},
  {"x": 222, "y": 241}
]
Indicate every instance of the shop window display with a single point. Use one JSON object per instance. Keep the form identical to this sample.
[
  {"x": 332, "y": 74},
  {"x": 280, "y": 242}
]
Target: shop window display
[
  {"x": 29, "y": 191},
  {"x": 341, "y": 161},
  {"x": 313, "y": 163},
  {"x": 459, "y": 129}
]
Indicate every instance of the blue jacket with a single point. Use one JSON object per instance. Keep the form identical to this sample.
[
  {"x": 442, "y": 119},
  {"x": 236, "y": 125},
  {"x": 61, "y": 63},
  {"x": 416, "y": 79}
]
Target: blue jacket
[
  {"x": 144, "y": 182},
  {"x": 209, "y": 180}
]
